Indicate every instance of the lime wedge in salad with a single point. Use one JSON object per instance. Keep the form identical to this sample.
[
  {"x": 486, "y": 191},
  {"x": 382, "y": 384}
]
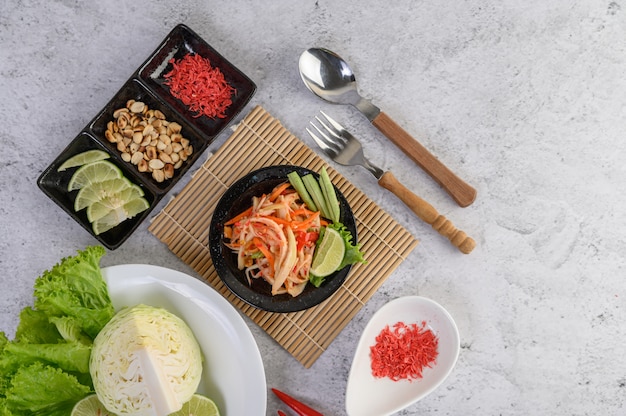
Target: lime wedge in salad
[
  {"x": 198, "y": 405},
  {"x": 83, "y": 158},
  {"x": 90, "y": 406},
  {"x": 100, "y": 190},
  {"x": 115, "y": 217},
  {"x": 99, "y": 171},
  {"x": 329, "y": 253},
  {"x": 100, "y": 208}
]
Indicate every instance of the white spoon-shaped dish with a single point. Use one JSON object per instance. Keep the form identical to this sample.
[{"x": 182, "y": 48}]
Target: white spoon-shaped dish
[{"x": 370, "y": 396}]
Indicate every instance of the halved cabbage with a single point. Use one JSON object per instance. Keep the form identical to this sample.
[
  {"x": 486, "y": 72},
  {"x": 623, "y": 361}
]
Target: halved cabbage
[{"x": 145, "y": 361}]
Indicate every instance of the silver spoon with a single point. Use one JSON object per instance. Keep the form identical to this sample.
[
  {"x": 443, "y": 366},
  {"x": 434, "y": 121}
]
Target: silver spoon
[{"x": 330, "y": 78}]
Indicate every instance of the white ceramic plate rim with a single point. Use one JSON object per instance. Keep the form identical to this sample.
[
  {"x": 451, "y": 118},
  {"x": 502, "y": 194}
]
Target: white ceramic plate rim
[
  {"x": 369, "y": 396},
  {"x": 233, "y": 375}
]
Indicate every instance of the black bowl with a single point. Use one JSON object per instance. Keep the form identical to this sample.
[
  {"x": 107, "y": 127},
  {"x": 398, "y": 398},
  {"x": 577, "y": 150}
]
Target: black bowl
[{"x": 237, "y": 199}]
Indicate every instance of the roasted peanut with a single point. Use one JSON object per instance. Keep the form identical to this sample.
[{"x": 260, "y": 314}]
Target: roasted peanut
[
  {"x": 142, "y": 166},
  {"x": 136, "y": 158},
  {"x": 151, "y": 152},
  {"x": 158, "y": 175},
  {"x": 137, "y": 107},
  {"x": 145, "y": 138},
  {"x": 156, "y": 164},
  {"x": 137, "y": 137},
  {"x": 168, "y": 171},
  {"x": 165, "y": 158}
]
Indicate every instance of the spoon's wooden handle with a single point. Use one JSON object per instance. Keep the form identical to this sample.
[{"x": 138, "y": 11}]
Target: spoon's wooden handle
[
  {"x": 428, "y": 213},
  {"x": 459, "y": 190}
]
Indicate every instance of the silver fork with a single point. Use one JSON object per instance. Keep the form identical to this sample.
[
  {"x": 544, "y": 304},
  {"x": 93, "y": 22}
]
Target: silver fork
[{"x": 345, "y": 149}]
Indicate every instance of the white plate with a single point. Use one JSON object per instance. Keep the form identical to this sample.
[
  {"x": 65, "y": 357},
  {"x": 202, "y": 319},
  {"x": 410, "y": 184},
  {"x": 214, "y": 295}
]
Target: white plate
[
  {"x": 233, "y": 374},
  {"x": 370, "y": 396}
]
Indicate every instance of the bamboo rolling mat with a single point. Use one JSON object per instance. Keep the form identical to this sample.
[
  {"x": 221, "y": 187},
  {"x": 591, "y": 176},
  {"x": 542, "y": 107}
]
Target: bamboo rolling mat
[{"x": 260, "y": 140}]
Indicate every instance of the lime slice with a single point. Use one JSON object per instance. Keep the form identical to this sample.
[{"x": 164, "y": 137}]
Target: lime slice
[
  {"x": 100, "y": 208},
  {"x": 198, "y": 406},
  {"x": 117, "y": 216},
  {"x": 83, "y": 158},
  {"x": 90, "y": 406},
  {"x": 99, "y": 171},
  {"x": 329, "y": 253},
  {"x": 100, "y": 190}
]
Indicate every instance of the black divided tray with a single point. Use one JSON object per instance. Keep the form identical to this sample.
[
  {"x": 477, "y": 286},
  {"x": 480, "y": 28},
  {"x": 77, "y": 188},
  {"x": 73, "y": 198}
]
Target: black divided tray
[{"x": 147, "y": 85}]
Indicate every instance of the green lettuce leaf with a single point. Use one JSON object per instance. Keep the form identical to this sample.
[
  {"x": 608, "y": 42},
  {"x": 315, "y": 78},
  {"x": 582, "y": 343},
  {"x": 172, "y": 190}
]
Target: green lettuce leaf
[
  {"x": 45, "y": 369},
  {"x": 70, "y": 329},
  {"x": 5, "y": 373},
  {"x": 39, "y": 389},
  {"x": 4, "y": 410},
  {"x": 75, "y": 287},
  {"x": 35, "y": 328},
  {"x": 70, "y": 356}
]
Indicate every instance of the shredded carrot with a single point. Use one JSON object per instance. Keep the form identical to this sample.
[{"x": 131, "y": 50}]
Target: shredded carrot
[
  {"x": 202, "y": 88},
  {"x": 278, "y": 220},
  {"x": 307, "y": 222},
  {"x": 265, "y": 250},
  {"x": 304, "y": 212},
  {"x": 278, "y": 190},
  {"x": 403, "y": 351},
  {"x": 239, "y": 217}
]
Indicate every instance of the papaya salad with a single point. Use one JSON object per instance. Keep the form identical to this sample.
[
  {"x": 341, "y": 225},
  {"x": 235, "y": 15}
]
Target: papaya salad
[{"x": 276, "y": 238}]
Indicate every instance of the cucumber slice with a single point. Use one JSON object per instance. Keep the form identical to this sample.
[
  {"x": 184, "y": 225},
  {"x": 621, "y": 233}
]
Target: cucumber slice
[
  {"x": 298, "y": 185},
  {"x": 313, "y": 187},
  {"x": 330, "y": 197}
]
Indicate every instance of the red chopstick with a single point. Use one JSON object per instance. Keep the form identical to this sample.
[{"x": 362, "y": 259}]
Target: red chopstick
[{"x": 300, "y": 408}]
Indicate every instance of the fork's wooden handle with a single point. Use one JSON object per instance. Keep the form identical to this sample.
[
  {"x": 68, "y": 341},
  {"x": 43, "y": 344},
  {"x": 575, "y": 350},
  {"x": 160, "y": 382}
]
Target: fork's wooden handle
[
  {"x": 428, "y": 213},
  {"x": 459, "y": 190}
]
